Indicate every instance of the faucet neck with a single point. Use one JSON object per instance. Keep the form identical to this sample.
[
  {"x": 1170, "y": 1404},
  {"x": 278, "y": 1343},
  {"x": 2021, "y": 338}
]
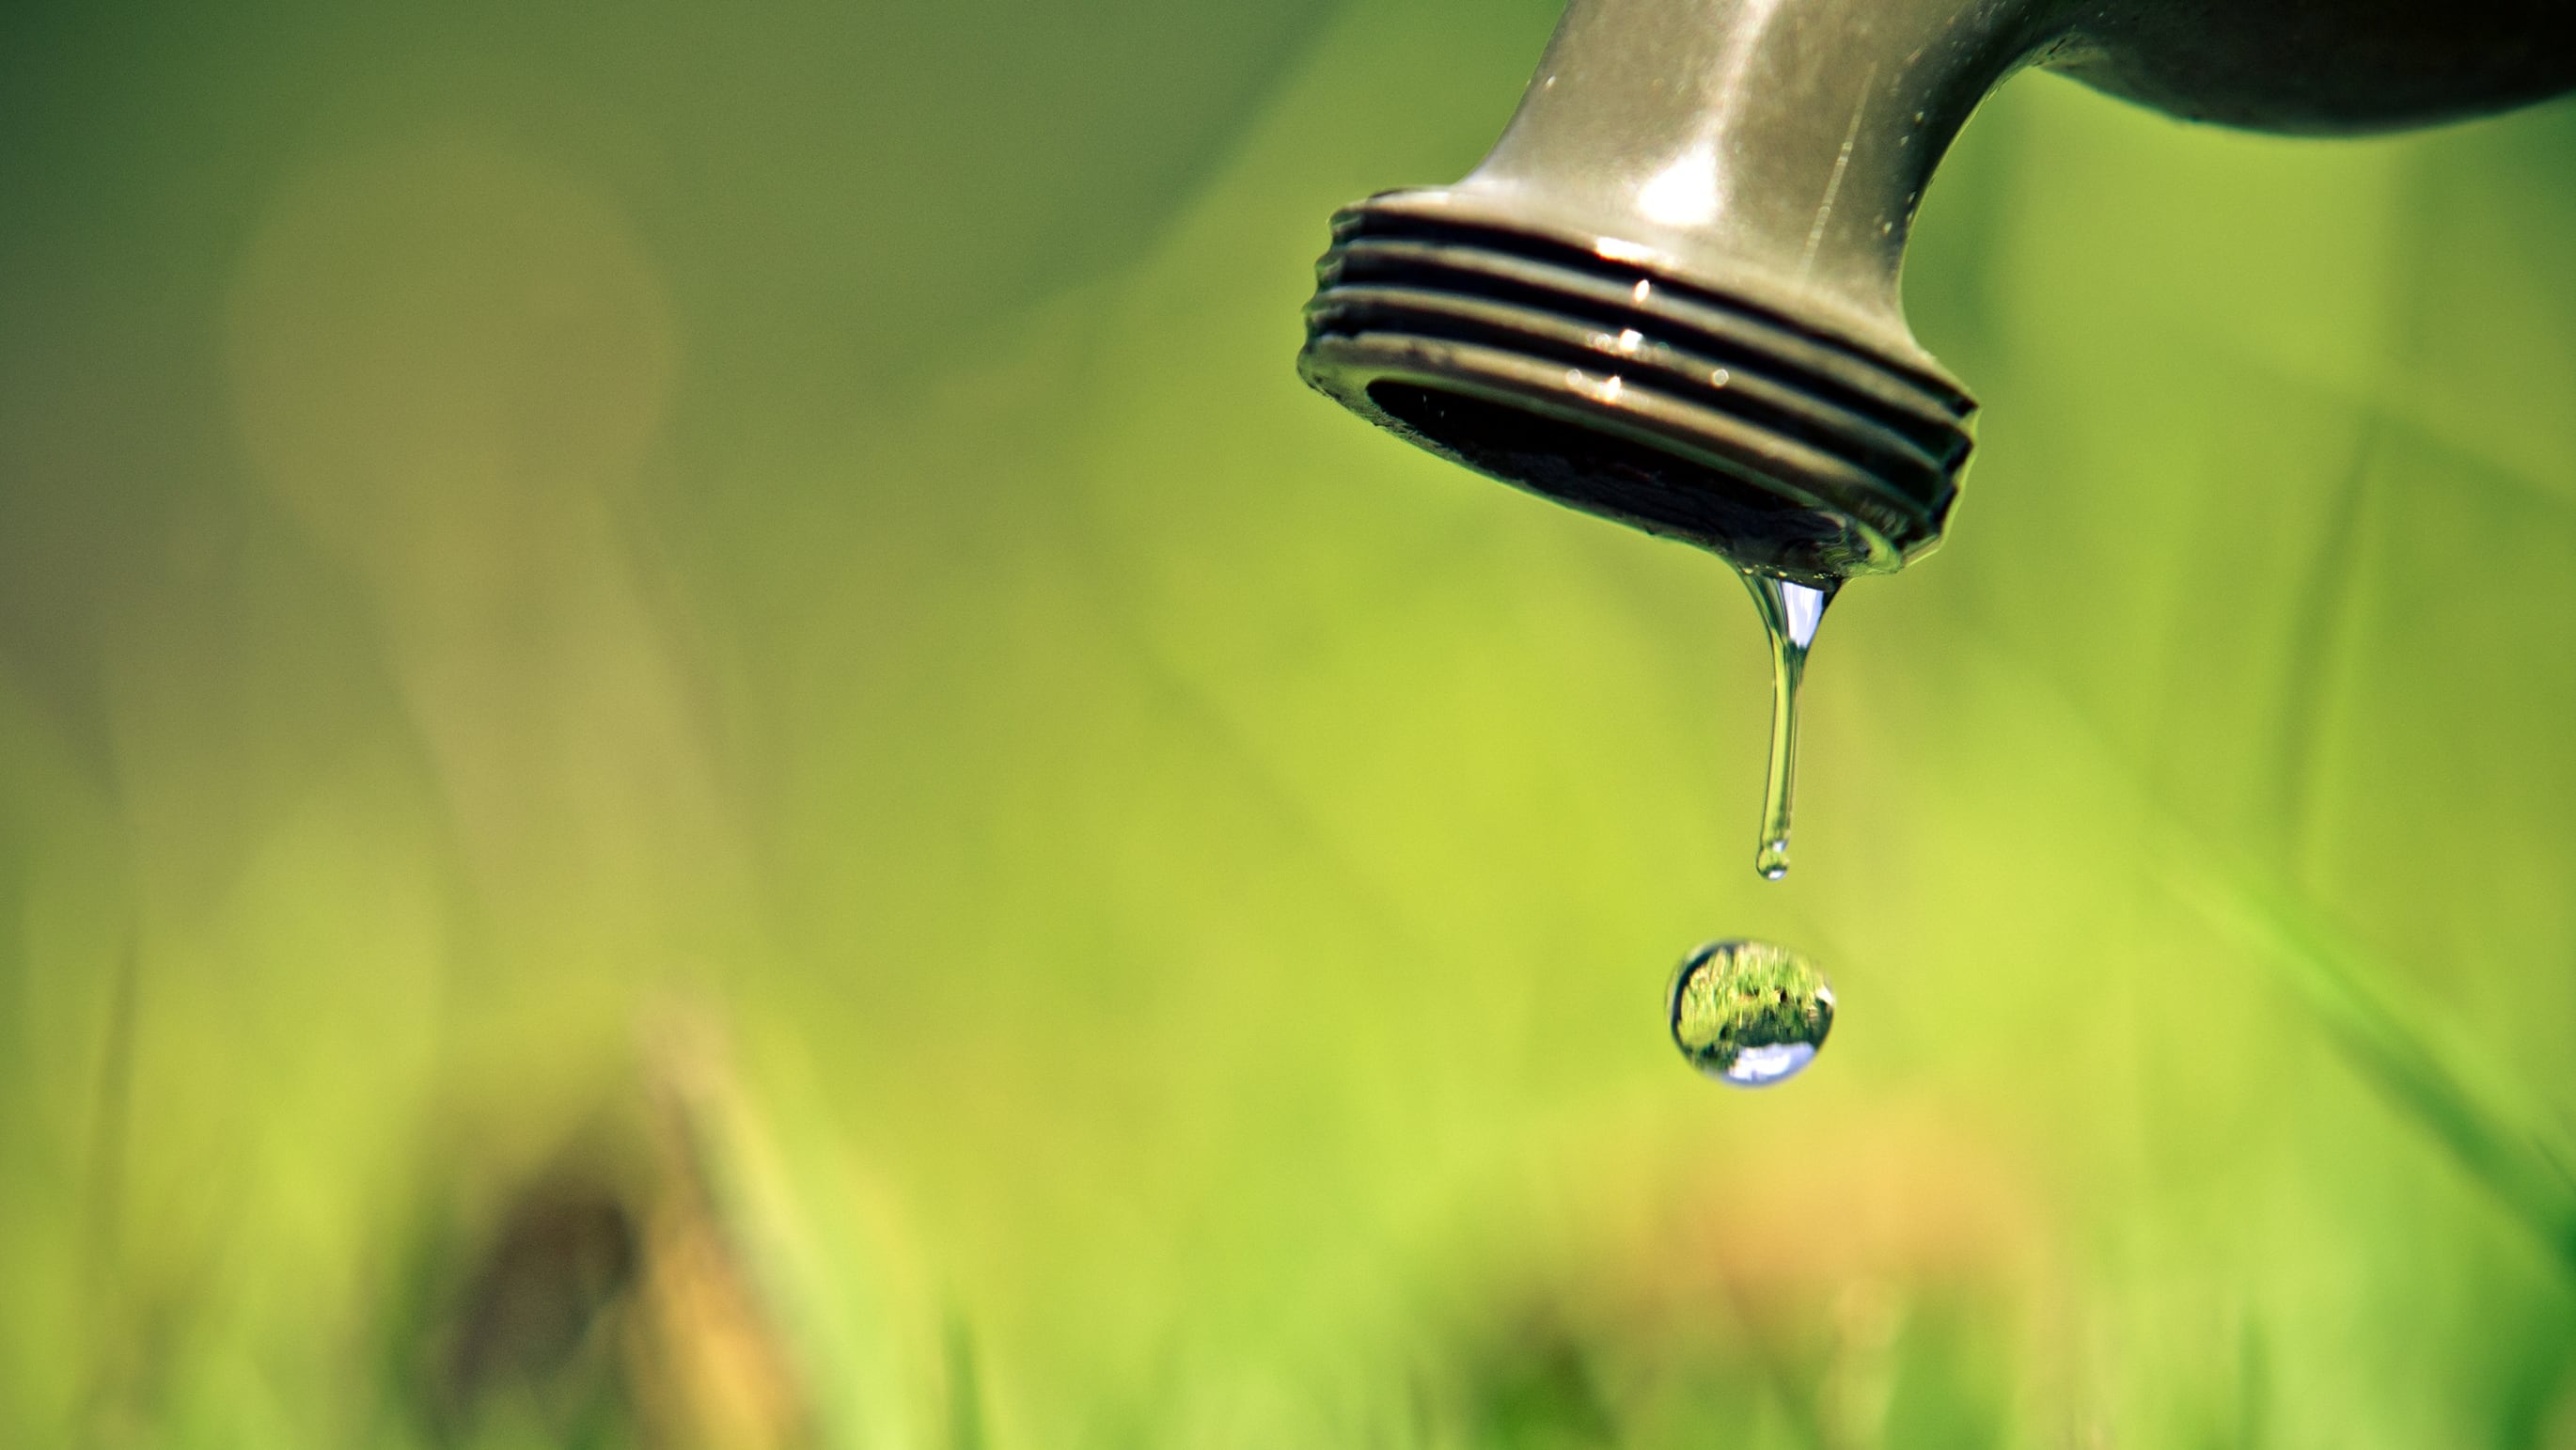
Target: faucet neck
[{"x": 1777, "y": 148}]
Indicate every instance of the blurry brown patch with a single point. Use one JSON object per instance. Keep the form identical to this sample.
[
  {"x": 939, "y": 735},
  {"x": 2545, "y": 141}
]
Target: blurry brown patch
[
  {"x": 611, "y": 1296},
  {"x": 558, "y": 1265},
  {"x": 1828, "y": 1286},
  {"x": 1903, "y": 1198}
]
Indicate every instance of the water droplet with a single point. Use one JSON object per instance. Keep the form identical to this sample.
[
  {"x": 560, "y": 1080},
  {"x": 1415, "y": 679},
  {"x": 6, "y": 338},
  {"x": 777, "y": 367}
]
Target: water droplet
[
  {"x": 1790, "y": 613},
  {"x": 1749, "y": 1013}
]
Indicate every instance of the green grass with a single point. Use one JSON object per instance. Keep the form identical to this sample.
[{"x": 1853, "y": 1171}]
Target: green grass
[{"x": 699, "y": 746}]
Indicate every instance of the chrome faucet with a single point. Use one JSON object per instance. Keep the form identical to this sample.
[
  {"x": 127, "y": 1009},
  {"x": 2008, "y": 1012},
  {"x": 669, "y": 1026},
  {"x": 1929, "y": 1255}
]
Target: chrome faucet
[{"x": 1669, "y": 294}]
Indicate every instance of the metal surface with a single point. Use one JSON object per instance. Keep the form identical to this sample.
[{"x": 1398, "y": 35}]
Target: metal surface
[{"x": 1669, "y": 295}]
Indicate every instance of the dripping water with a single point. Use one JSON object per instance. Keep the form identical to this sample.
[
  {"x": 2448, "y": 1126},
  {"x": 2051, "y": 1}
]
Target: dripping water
[
  {"x": 1751, "y": 1013},
  {"x": 1748, "y": 1013},
  {"x": 1790, "y": 613}
]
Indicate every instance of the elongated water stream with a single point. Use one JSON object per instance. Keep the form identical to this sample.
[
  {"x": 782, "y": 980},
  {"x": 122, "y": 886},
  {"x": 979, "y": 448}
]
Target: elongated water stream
[{"x": 1790, "y": 613}]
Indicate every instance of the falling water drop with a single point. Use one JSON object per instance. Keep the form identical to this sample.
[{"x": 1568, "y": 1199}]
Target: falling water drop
[
  {"x": 1749, "y": 1013},
  {"x": 1790, "y": 613}
]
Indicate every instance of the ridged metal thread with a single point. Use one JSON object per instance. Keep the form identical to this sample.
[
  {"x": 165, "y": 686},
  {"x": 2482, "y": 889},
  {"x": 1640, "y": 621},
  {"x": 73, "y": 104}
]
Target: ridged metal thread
[{"x": 1635, "y": 394}]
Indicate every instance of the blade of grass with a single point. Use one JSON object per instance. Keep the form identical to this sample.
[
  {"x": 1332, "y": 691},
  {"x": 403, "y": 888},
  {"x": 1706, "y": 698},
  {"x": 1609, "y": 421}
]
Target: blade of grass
[
  {"x": 2513, "y": 1151},
  {"x": 2503, "y": 1146}
]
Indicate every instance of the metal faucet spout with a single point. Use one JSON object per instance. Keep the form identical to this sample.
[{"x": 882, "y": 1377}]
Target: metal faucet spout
[{"x": 1670, "y": 294}]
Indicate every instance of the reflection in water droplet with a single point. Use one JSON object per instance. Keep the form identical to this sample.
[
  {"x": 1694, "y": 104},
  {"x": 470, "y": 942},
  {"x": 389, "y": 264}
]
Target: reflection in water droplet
[
  {"x": 1790, "y": 613},
  {"x": 1750, "y": 1013}
]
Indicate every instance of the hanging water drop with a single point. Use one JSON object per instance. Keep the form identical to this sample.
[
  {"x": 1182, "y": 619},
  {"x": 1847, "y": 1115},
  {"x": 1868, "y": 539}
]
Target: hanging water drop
[
  {"x": 1749, "y": 1013},
  {"x": 1790, "y": 613}
]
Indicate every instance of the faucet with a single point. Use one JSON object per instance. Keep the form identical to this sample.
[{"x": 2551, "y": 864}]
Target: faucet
[{"x": 1669, "y": 294}]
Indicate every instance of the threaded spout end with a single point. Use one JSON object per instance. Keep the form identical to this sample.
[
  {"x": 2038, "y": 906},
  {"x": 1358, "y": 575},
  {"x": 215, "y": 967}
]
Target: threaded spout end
[{"x": 1626, "y": 390}]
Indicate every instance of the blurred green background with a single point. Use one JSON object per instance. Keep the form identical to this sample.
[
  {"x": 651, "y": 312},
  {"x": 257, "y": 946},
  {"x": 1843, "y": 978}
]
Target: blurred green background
[{"x": 699, "y": 746}]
